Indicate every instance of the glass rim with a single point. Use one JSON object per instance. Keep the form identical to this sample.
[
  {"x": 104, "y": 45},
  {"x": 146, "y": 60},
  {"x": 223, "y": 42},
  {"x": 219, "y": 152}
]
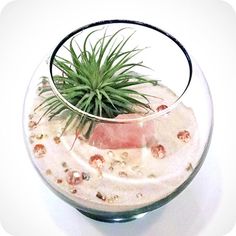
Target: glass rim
[{"x": 117, "y": 120}]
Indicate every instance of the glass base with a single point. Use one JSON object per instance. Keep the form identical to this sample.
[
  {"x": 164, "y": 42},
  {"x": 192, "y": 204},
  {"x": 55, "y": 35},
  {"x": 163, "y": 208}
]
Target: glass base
[{"x": 110, "y": 219}]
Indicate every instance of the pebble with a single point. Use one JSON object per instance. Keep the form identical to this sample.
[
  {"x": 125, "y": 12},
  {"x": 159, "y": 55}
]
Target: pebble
[
  {"x": 73, "y": 191},
  {"x": 189, "y": 167},
  {"x": 158, "y": 151},
  {"x": 73, "y": 177},
  {"x": 32, "y": 124},
  {"x": 64, "y": 164},
  {"x": 161, "y": 107},
  {"x": 85, "y": 176},
  {"x": 48, "y": 172},
  {"x": 184, "y": 136},
  {"x": 112, "y": 199},
  {"x": 97, "y": 161},
  {"x": 57, "y": 140},
  {"x": 39, "y": 136},
  {"x": 39, "y": 150},
  {"x": 59, "y": 181},
  {"x": 123, "y": 174},
  {"x": 101, "y": 196},
  {"x": 139, "y": 195},
  {"x": 151, "y": 176}
]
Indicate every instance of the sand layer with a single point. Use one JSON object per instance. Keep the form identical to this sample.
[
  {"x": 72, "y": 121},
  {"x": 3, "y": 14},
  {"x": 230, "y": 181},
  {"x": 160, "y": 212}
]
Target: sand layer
[{"x": 118, "y": 179}]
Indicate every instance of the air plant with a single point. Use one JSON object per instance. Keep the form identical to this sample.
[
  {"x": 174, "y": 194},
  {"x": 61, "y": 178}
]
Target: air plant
[{"x": 98, "y": 79}]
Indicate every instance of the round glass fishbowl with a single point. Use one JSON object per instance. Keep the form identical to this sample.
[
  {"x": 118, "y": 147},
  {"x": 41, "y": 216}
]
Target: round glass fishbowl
[{"x": 118, "y": 119}]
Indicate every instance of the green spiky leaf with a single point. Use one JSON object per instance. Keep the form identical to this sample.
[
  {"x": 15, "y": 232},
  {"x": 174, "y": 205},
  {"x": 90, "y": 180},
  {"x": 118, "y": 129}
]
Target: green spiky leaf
[{"x": 97, "y": 79}]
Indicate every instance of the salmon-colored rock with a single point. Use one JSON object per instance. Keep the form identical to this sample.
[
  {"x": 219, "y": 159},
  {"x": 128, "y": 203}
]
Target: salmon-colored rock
[{"x": 128, "y": 135}]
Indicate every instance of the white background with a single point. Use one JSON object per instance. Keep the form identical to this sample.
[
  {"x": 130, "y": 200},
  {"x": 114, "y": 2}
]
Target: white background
[{"x": 30, "y": 29}]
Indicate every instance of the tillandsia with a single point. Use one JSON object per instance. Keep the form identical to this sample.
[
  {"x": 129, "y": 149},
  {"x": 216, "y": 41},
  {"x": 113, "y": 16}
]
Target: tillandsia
[{"x": 98, "y": 79}]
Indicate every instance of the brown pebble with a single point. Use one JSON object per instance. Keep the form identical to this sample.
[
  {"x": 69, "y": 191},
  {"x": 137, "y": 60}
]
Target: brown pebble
[
  {"x": 32, "y": 124},
  {"x": 39, "y": 136},
  {"x": 85, "y": 176},
  {"x": 123, "y": 174},
  {"x": 73, "y": 191},
  {"x": 59, "y": 181},
  {"x": 151, "y": 176},
  {"x": 101, "y": 196},
  {"x": 97, "y": 161},
  {"x": 48, "y": 172},
  {"x": 57, "y": 140},
  {"x": 139, "y": 195},
  {"x": 161, "y": 107},
  {"x": 184, "y": 136},
  {"x": 189, "y": 167},
  {"x": 64, "y": 164},
  {"x": 39, "y": 150},
  {"x": 158, "y": 151}
]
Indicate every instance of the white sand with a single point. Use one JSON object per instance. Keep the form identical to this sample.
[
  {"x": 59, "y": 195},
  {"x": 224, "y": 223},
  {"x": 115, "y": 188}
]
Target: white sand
[{"x": 127, "y": 182}]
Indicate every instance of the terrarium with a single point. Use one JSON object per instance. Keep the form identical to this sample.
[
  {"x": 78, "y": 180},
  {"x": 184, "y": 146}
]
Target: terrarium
[{"x": 118, "y": 119}]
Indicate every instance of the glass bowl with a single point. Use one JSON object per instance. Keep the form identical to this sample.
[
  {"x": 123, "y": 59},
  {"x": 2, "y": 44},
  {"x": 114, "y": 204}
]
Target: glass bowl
[{"x": 118, "y": 119}]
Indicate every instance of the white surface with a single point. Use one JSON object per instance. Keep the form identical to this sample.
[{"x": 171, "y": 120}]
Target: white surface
[{"x": 30, "y": 29}]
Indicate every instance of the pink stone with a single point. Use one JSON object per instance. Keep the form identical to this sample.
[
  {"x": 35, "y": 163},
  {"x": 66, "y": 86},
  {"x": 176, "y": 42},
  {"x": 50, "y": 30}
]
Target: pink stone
[
  {"x": 96, "y": 161},
  {"x": 184, "y": 136},
  {"x": 127, "y": 135},
  {"x": 161, "y": 107},
  {"x": 39, "y": 150},
  {"x": 73, "y": 177},
  {"x": 158, "y": 151}
]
